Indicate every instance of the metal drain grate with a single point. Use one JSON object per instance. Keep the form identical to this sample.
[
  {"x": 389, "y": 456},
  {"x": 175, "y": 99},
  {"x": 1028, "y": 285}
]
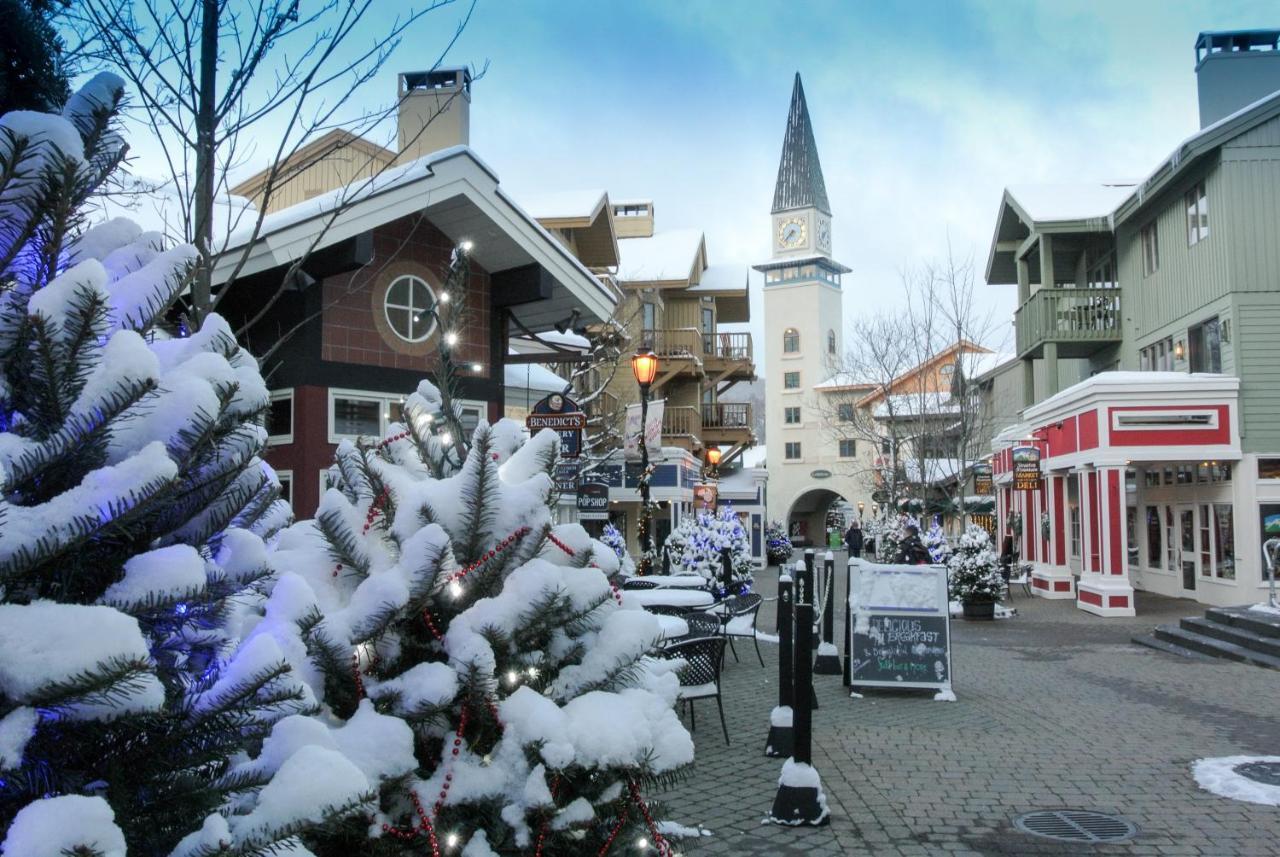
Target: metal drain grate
[
  {"x": 1076, "y": 825},
  {"x": 1267, "y": 773}
]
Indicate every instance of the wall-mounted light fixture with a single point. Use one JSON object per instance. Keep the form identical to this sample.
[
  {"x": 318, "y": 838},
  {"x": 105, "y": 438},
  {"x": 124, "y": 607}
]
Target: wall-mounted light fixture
[{"x": 1179, "y": 350}]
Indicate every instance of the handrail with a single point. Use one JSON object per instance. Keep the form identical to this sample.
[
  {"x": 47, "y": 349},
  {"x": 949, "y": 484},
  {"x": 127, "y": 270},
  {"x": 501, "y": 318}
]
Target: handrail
[
  {"x": 727, "y": 415},
  {"x": 727, "y": 346},
  {"x": 1068, "y": 315},
  {"x": 672, "y": 342},
  {"x": 682, "y": 421}
]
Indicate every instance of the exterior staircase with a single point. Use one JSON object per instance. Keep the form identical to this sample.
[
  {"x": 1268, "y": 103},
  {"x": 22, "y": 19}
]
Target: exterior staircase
[{"x": 1233, "y": 633}]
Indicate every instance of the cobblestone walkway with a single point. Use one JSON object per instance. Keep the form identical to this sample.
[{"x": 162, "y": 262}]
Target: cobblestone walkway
[{"x": 1056, "y": 710}]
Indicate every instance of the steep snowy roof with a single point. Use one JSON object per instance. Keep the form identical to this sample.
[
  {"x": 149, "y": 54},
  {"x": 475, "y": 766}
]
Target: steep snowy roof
[
  {"x": 975, "y": 364},
  {"x": 843, "y": 381},
  {"x": 665, "y": 256},
  {"x": 1047, "y": 203},
  {"x": 723, "y": 277}
]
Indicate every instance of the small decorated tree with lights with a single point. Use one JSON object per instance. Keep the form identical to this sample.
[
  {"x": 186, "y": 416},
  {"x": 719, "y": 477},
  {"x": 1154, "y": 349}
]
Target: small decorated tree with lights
[
  {"x": 478, "y": 652},
  {"x": 696, "y": 544},
  {"x": 133, "y": 514},
  {"x": 973, "y": 574},
  {"x": 613, "y": 539},
  {"x": 778, "y": 547},
  {"x": 936, "y": 542}
]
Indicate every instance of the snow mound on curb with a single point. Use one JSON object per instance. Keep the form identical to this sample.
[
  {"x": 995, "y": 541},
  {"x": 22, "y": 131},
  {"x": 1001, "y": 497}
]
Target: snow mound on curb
[{"x": 1219, "y": 776}]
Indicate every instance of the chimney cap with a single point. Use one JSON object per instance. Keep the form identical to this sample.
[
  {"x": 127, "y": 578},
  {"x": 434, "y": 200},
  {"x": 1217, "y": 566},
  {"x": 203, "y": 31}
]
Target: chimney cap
[
  {"x": 437, "y": 78},
  {"x": 1215, "y": 42}
]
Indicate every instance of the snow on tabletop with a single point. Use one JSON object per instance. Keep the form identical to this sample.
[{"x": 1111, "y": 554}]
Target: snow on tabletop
[
  {"x": 1219, "y": 777},
  {"x": 780, "y": 716},
  {"x": 16, "y": 729},
  {"x": 167, "y": 573},
  {"x": 45, "y": 642},
  {"x": 310, "y": 782},
  {"x": 69, "y": 824}
]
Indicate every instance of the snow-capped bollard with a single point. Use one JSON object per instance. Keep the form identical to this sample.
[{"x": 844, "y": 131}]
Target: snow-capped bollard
[
  {"x": 800, "y": 799},
  {"x": 779, "y": 742},
  {"x": 828, "y": 662}
]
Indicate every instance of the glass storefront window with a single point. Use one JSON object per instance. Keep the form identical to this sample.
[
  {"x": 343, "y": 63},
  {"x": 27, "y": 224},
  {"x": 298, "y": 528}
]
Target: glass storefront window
[
  {"x": 1224, "y": 542},
  {"x": 1153, "y": 536},
  {"x": 1131, "y": 528},
  {"x": 1206, "y": 557},
  {"x": 1170, "y": 545}
]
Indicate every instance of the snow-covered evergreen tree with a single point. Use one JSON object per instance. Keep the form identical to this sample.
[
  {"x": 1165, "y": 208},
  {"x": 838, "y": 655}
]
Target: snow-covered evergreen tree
[
  {"x": 617, "y": 542},
  {"x": 133, "y": 509},
  {"x": 973, "y": 574},
  {"x": 473, "y": 661},
  {"x": 778, "y": 547},
  {"x": 696, "y": 543},
  {"x": 936, "y": 542},
  {"x": 890, "y": 535}
]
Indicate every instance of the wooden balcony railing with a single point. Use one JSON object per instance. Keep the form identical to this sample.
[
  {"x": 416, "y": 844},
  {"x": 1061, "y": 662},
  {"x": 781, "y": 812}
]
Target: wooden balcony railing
[
  {"x": 727, "y": 415},
  {"x": 727, "y": 346},
  {"x": 672, "y": 342},
  {"x": 681, "y": 421},
  {"x": 1081, "y": 321}
]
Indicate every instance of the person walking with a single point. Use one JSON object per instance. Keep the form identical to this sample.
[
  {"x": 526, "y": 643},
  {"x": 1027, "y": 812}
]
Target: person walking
[
  {"x": 853, "y": 539},
  {"x": 912, "y": 550}
]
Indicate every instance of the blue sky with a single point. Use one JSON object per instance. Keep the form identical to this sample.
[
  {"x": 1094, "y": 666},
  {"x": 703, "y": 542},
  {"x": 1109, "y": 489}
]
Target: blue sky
[{"x": 923, "y": 111}]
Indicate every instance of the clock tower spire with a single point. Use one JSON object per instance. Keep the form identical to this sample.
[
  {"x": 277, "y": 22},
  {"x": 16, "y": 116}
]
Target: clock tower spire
[{"x": 801, "y": 212}]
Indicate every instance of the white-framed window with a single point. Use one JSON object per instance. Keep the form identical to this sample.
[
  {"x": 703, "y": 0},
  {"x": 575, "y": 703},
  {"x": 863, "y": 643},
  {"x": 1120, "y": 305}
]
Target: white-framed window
[
  {"x": 792, "y": 451},
  {"x": 408, "y": 306},
  {"x": 848, "y": 448},
  {"x": 1197, "y": 215},
  {"x": 791, "y": 416},
  {"x": 844, "y": 412},
  {"x": 1269, "y": 468},
  {"x": 280, "y": 417},
  {"x": 286, "y": 486},
  {"x": 1157, "y": 357},
  {"x": 1150, "y": 250},
  {"x": 362, "y": 414},
  {"x": 791, "y": 380},
  {"x": 790, "y": 341}
]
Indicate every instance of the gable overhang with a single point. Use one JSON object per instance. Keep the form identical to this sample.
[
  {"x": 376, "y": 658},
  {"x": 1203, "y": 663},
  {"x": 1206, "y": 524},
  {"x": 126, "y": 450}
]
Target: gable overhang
[
  {"x": 1015, "y": 235},
  {"x": 595, "y": 235},
  {"x": 461, "y": 197}
]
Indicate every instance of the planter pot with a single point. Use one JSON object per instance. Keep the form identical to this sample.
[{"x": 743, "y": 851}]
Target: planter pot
[{"x": 979, "y": 609}]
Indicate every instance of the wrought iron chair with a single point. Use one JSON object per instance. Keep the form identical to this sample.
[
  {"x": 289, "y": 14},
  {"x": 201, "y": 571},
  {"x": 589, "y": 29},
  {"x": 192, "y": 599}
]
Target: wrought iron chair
[
  {"x": 703, "y": 657},
  {"x": 703, "y": 624},
  {"x": 639, "y": 583},
  {"x": 668, "y": 610},
  {"x": 741, "y": 622}
]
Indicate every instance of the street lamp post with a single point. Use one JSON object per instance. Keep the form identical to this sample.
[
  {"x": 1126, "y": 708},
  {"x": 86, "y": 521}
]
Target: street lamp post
[
  {"x": 644, "y": 365},
  {"x": 713, "y": 461},
  {"x": 861, "y": 506}
]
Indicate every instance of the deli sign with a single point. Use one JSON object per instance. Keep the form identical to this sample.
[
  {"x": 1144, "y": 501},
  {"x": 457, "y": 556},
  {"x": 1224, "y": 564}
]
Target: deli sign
[{"x": 1026, "y": 468}]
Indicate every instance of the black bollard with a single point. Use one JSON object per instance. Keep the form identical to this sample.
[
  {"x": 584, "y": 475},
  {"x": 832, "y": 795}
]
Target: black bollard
[
  {"x": 828, "y": 662},
  {"x": 779, "y": 742},
  {"x": 800, "y": 800},
  {"x": 806, "y": 577},
  {"x": 726, "y": 571},
  {"x": 848, "y": 626}
]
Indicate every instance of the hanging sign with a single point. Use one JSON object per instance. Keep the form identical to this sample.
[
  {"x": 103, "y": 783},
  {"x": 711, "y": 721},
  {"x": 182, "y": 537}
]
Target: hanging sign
[
  {"x": 705, "y": 496},
  {"x": 652, "y": 431},
  {"x": 566, "y": 477},
  {"x": 561, "y": 414},
  {"x": 593, "y": 501},
  {"x": 898, "y": 626},
  {"x": 1026, "y": 468},
  {"x": 982, "y": 483}
]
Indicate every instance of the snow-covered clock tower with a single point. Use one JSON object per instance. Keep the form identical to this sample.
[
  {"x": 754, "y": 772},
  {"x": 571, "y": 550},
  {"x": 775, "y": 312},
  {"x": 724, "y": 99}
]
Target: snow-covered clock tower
[{"x": 804, "y": 338}]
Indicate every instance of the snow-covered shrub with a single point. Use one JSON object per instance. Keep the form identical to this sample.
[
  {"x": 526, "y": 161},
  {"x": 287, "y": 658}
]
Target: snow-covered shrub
[
  {"x": 471, "y": 659},
  {"x": 613, "y": 539},
  {"x": 936, "y": 543},
  {"x": 891, "y": 533},
  {"x": 973, "y": 573},
  {"x": 133, "y": 511},
  {"x": 696, "y": 543},
  {"x": 778, "y": 547}
]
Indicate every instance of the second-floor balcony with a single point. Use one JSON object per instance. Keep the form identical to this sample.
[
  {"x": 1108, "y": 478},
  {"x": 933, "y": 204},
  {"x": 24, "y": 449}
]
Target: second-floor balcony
[
  {"x": 727, "y": 423},
  {"x": 1080, "y": 322}
]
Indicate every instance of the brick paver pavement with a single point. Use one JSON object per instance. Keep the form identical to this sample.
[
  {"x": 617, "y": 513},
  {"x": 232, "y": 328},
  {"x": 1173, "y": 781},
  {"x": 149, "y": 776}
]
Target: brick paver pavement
[{"x": 1056, "y": 710}]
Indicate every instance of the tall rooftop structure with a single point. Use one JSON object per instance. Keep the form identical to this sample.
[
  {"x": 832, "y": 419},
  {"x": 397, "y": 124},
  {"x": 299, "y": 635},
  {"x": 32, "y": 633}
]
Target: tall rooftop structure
[{"x": 800, "y": 183}]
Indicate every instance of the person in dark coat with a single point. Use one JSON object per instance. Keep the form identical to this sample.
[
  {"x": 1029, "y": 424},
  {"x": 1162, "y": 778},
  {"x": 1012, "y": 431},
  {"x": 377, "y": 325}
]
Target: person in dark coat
[
  {"x": 912, "y": 550},
  {"x": 853, "y": 539},
  {"x": 1008, "y": 557}
]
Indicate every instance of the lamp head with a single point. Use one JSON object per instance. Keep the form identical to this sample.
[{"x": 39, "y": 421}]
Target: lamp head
[{"x": 644, "y": 365}]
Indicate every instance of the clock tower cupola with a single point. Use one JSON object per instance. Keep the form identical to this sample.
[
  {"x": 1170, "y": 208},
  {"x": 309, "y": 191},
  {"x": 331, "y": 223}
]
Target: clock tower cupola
[{"x": 801, "y": 213}]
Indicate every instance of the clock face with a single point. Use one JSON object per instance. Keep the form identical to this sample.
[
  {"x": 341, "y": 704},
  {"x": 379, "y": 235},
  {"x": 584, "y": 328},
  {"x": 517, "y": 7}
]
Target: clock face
[
  {"x": 824, "y": 235},
  {"x": 792, "y": 233}
]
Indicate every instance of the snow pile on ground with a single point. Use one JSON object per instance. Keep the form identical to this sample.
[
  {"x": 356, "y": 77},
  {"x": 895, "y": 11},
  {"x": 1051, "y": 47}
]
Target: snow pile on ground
[
  {"x": 1266, "y": 608},
  {"x": 1220, "y": 777}
]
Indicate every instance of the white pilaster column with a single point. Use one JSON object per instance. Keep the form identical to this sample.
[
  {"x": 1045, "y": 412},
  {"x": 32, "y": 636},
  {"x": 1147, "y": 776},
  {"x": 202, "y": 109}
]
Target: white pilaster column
[{"x": 1106, "y": 591}]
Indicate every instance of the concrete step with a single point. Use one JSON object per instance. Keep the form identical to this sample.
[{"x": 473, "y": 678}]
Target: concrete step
[
  {"x": 1153, "y": 642},
  {"x": 1263, "y": 624},
  {"x": 1213, "y": 646},
  {"x": 1239, "y": 634}
]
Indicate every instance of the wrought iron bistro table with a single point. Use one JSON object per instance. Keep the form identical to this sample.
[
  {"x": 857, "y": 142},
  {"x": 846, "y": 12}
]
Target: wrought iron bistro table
[
  {"x": 669, "y": 581},
  {"x": 686, "y": 599}
]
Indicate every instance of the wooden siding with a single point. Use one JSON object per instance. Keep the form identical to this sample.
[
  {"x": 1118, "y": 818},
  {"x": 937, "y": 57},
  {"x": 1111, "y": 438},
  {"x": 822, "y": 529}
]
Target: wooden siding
[
  {"x": 1255, "y": 340},
  {"x": 337, "y": 169}
]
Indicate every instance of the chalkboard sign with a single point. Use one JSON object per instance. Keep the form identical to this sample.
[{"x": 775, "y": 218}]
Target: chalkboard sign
[
  {"x": 910, "y": 651},
  {"x": 898, "y": 631}
]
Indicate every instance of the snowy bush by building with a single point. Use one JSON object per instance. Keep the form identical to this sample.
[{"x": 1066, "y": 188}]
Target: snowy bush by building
[
  {"x": 973, "y": 574},
  {"x": 935, "y": 541},
  {"x": 134, "y": 510},
  {"x": 778, "y": 547},
  {"x": 696, "y": 543},
  {"x": 613, "y": 539},
  {"x": 473, "y": 663},
  {"x": 891, "y": 532}
]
